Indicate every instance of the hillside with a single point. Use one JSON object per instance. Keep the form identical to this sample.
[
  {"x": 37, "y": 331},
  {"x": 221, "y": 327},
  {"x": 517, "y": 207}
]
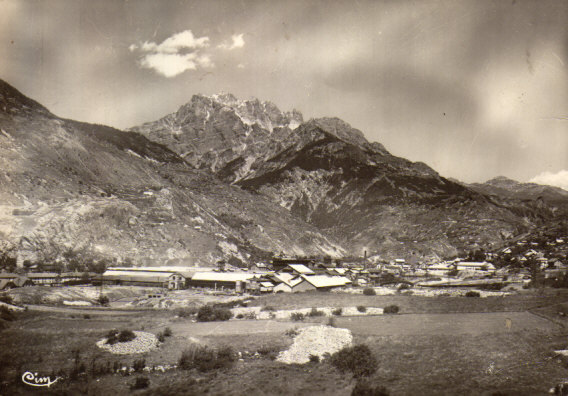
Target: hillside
[
  {"x": 325, "y": 172},
  {"x": 70, "y": 188}
]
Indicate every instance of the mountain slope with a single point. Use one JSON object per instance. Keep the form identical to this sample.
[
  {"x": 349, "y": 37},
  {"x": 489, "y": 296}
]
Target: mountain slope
[
  {"x": 325, "y": 172},
  {"x": 70, "y": 187}
]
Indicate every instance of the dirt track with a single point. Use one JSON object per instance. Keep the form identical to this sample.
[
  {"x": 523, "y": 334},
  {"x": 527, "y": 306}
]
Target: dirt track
[{"x": 454, "y": 323}]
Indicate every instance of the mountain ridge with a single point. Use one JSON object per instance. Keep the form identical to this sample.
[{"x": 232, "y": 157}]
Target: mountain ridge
[
  {"x": 326, "y": 173},
  {"x": 69, "y": 187}
]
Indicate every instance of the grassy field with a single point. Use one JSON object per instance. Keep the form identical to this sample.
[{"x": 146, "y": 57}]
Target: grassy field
[
  {"x": 523, "y": 301},
  {"x": 416, "y": 353}
]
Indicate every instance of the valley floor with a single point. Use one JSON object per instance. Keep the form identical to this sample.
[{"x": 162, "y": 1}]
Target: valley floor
[{"x": 435, "y": 345}]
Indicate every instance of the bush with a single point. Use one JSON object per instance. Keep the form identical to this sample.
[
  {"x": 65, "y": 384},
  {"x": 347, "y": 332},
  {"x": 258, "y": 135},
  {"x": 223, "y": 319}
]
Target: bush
[
  {"x": 6, "y": 313},
  {"x": 86, "y": 316},
  {"x": 167, "y": 332},
  {"x": 472, "y": 293},
  {"x": 361, "y": 308},
  {"x": 140, "y": 383},
  {"x": 369, "y": 291},
  {"x": 268, "y": 308},
  {"x": 404, "y": 286},
  {"x": 204, "y": 358},
  {"x": 114, "y": 336},
  {"x": 364, "y": 388},
  {"x": 103, "y": 300},
  {"x": 291, "y": 332},
  {"x": 6, "y": 299},
  {"x": 208, "y": 313},
  {"x": 357, "y": 359},
  {"x": 139, "y": 365},
  {"x": 186, "y": 312},
  {"x": 161, "y": 337},
  {"x": 314, "y": 312},
  {"x": 269, "y": 351},
  {"x": 240, "y": 316},
  {"x": 314, "y": 358},
  {"x": 297, "y": 316},
  {"x": 391, "y": 309},
  {"x": 126, "y": 335},
  {"x": 337, "y": 311}
]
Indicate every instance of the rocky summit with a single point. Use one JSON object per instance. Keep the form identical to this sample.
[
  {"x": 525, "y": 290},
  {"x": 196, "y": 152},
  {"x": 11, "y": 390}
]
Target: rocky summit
[
  {"x": 327, "y": 174},
  {"x": 72, "y": 189}
]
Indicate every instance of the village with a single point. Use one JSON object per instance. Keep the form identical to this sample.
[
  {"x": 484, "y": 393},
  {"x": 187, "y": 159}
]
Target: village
[{"x": 513, "y": 266}]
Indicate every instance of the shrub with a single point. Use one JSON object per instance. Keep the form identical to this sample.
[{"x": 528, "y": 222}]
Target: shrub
[
  {"x": 364, "y": 388},
  {"x": 208, "y": 313},
  {"x": 168, "y": 332},
  {"x": 331, "y": 321},
  {"x": 391, "y": 309},
  {"x": 297, "y": 316},
  {"x": 126, "y": 335},
  {"x": 204, "y": 358},
  {"x": 140, "y": 383},
  {"x": 86, "y": 316},
  {"x": 139, "y": 365},
  {"x": 337, "y": 311},
  {"x": 240, "y": 316},
  {"x": 404, "y": 286},
  {"x": 268, "y": 308},
  {"x": 6, "y": 314},
  {"x": 357, "y": 359},
  {"x": 314, "y": 358},
  {"x": 186, "y": 312},
  {"x": 315, "y": 312},
  {"x": 103, "y": 300},
  {"x": 361, "y": 308},
  {"x": 472, "y": 293},
  {"x": 114, "y": 336},
  {"x": 161, "y": 337},
  {"x": 369, "y": 291},
  {"x": 269, "y": 351},
  {"x": 6, "y": 299},
  {"x": 291, "y": 332}
]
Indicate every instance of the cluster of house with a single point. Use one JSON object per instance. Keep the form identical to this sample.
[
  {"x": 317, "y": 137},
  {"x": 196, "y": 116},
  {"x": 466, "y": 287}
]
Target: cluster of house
[
  {"x": 10, "y": 280},
  {"x": 291, "y": 278}
]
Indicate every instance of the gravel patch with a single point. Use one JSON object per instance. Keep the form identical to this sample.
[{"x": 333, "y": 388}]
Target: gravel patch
[
  {"x": 143, "y": 342},
  {"x": 315, "y": 340}
]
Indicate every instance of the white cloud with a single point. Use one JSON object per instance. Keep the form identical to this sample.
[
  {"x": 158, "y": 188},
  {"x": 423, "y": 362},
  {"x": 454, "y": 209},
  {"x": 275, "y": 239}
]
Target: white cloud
[
  {"x": 175, "y": 55},
  {"x": 559, "y": 179},
  {"x": 237, "y": 42}
]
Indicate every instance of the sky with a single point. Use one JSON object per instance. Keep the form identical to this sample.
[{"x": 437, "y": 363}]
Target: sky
[{"x": 475, "y": 89}]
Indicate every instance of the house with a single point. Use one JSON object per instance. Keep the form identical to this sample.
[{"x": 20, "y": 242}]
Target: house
[
  {"x": 45, "y": 278},
  {"x": 440, "y": 269},
  {"x": 279, "y": 263},
  {"x": 289, "y": 283},
  {"x": 137, "y": 278},
  {"x": 475, "y": 266},
  {"x": 222, "y": 280},
  {"x": 325, "y": 282},
  {"x": 297, "y": 269}
]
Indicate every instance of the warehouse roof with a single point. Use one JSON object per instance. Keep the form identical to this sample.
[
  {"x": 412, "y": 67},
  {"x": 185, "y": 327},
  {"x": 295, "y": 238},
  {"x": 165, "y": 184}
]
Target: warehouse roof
[
  {"x": 222, "y": 276},
  {"x": 326, "y": 281}
]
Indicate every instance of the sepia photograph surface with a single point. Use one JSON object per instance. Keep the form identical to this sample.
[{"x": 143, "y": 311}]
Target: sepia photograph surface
[{"x": 254, "y": 197}]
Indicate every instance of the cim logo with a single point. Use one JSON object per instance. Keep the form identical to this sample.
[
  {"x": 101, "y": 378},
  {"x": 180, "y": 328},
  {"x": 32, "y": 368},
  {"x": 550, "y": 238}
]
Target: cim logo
[{"x": 32, "y": 379}]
